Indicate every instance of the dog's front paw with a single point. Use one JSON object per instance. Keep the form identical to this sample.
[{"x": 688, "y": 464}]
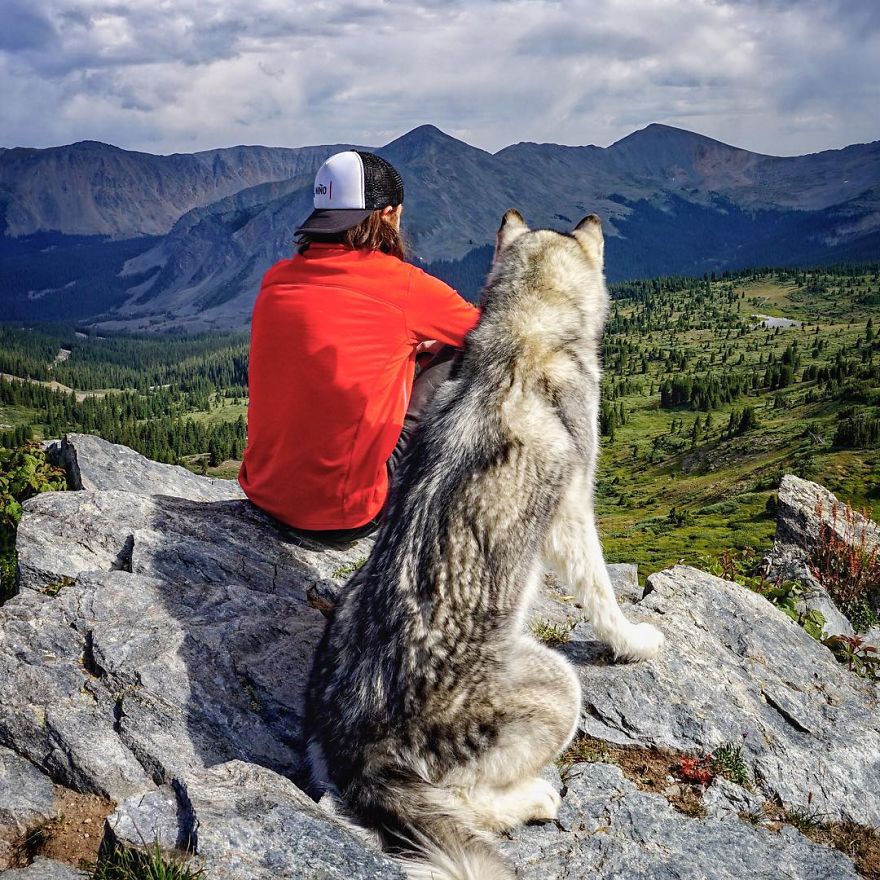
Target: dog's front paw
[
  {"x": 542, "y": 802},
  {"x": 641, "y": 642}
]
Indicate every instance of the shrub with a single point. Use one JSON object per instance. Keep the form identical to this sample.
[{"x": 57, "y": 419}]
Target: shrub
[
  {"x": 24, "y": 472},
  {"x": 696, "y": 770},
  {"x": 859, "y": 657},
  {"x": 728, "y": 761}
]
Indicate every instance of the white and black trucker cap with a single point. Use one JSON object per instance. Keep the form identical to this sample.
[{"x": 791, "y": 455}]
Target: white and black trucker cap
[{"x": 349, "y": 186}]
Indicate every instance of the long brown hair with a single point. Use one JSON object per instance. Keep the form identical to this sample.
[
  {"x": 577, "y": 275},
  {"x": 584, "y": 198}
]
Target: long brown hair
[{"x": 372, "y": 234}]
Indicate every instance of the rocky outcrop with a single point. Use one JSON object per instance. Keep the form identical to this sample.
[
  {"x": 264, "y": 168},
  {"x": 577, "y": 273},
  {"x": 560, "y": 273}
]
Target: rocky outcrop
[
  {"x": 803, "y": 506},
  {"x": 94, "y": 464},
  {"x": 737, "y": 670},
  {"x": 157, "y": 651},
  {"x": 610, "y": 829},
  {"x": 803, "y": 509}
]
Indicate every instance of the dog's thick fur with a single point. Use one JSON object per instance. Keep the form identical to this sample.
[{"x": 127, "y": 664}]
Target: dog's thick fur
[{"x": 431, "y": 710}]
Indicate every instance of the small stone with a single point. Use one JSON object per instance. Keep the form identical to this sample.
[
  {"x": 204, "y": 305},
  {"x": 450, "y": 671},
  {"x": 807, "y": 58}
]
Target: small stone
[{"x": 26, "y": 801}]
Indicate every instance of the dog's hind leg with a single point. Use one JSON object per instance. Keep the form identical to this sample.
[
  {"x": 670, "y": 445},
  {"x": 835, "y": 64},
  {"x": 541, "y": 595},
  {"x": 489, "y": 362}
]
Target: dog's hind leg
[
  {"x": 574, "y": 550},
  {"x": 535, "y": 707}
]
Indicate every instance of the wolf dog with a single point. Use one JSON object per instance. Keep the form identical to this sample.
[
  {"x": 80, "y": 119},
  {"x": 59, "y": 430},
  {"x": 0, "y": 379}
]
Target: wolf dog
[{"x": 431, "y": 709}]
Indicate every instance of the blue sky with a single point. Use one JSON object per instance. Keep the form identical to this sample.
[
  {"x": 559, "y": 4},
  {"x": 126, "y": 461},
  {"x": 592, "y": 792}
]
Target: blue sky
[{"x": 776, "y": 76}]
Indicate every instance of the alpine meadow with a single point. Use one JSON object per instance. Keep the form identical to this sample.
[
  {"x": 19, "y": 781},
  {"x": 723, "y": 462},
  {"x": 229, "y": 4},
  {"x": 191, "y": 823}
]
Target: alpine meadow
[{"x": 713, "y": 388}]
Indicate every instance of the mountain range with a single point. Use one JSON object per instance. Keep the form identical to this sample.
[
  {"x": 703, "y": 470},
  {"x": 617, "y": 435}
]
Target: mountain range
[{"x": 93, "y": 233}]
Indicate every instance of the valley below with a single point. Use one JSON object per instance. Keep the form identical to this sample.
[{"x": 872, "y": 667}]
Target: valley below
[{"x": 704, "y": 407}]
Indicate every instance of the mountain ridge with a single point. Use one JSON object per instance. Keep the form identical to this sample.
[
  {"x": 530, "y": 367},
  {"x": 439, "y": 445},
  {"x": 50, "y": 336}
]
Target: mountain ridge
[{"x": 672, "y": 201}]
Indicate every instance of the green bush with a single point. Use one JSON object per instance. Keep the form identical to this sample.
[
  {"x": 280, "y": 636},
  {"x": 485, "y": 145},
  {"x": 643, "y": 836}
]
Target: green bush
[{"x": 24, "y": 472}]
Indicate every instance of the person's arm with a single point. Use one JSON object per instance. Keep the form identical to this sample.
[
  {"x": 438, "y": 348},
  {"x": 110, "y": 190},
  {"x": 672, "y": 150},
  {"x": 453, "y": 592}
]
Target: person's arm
[{"x": 434, "y": 311}]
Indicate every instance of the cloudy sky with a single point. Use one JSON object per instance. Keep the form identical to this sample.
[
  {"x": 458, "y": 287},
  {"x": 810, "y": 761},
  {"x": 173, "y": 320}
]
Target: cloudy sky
[{"x": 777, "y": 76}]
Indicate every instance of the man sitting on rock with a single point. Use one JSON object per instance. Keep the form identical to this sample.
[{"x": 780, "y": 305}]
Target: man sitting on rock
[{"x": 335, "y": 335}]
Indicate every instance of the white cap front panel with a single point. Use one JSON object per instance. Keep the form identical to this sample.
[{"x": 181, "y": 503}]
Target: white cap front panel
[{"x": 339, "y": 182}]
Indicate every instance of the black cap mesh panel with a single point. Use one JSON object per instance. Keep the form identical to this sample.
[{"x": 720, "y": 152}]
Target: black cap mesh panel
[{"x": 383, "y": 186}]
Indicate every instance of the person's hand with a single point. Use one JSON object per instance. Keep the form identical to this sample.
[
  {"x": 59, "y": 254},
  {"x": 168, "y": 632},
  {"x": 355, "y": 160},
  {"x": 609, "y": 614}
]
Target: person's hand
[{"x": 431, "y": 346}]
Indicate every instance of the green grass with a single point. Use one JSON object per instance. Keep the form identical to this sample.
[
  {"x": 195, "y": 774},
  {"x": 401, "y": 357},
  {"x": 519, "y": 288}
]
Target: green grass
[
  {"x": 223, "y": 410},
  {"x": 729, "y": 761},
  {"x": 13, "y": 416},
  {"x": 552, "y": 634},
  {"x": 720, "y": 488},
  {"x": 349, "y": 568},
  {"x": 127, "y": 864},
  {"x": 804, "y": 819}
]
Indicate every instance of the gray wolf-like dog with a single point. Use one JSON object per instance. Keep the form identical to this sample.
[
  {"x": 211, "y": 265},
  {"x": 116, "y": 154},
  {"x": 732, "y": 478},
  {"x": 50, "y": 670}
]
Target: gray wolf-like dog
[{"x": 431, "y": 710}]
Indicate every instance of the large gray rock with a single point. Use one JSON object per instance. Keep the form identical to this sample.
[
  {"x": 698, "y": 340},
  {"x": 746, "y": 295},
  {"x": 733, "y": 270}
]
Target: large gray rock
[
  {"x": 64, "y": 534},
  {"x": 610, "y": 829},
  {"x": 26, "y": 802},
  {"x": 93, "y": 463},
  {"x": 159, "y": 647},
  {"x": 155, "y": 635},
  {"x": 804, "y": 506},
  {"x": 736, "y": 669},
  {"x": 244, "y": 822},
  {"x": 255, "y": 825}
]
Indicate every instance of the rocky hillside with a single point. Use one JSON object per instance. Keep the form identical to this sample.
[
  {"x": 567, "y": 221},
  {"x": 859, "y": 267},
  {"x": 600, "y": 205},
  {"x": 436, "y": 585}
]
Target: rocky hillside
[
  {"x": 152, "y": 669},
  {"x": 674, "y": 202},
  {"x": 90, "y": 188}
]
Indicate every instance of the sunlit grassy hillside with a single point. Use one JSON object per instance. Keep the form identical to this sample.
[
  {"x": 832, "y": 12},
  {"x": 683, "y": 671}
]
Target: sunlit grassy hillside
[{"x": 704, "y": 406}]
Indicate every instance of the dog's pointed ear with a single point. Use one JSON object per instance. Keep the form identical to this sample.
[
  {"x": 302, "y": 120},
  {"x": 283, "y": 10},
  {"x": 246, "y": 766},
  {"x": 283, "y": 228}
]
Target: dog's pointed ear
[
  {"x": 589, "y": 234},
  {"x": 512, "y": 227}
]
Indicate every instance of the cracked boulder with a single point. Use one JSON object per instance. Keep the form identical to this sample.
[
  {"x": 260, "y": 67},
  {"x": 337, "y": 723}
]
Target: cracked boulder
[
  {"x": 244, "y": 822},
  {"x": 737, "y": 670},
  {"x": 198, "y": 656}
]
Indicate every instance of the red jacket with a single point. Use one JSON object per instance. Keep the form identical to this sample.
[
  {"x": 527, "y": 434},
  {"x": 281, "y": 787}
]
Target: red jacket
[{"x": 332, "y": 360}]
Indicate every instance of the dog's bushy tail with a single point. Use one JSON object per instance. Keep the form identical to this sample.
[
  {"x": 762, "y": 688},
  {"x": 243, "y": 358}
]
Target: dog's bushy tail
[{"x": 430, "y": 833}]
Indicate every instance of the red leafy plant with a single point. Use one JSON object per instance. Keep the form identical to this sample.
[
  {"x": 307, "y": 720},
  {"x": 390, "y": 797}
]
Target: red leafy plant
[
  {"x": 849, "y": 566},
  {"x": 696, "y": 770},
  {"x": 860, "y": 658}
]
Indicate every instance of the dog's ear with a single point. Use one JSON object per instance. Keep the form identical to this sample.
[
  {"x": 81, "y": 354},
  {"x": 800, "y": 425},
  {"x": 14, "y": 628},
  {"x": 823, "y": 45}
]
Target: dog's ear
[
  {"x": 512, "y": 227},
  {"x": 589, "y": 235}
]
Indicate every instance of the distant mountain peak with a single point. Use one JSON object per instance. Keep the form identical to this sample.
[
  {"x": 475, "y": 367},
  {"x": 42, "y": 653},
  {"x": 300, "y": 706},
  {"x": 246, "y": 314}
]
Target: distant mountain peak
[
  {"x": 660, "y": 132},
  {"x": 425, "y": 138},
  {"x": 428, "y": 132}
]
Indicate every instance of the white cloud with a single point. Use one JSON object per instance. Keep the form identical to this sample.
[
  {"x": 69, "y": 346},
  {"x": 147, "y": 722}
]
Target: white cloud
[{"x": 771, "y": 75}]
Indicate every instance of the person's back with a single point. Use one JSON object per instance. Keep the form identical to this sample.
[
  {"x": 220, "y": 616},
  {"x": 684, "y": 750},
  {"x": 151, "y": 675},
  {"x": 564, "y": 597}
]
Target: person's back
[{"x": 333, "y": 345}]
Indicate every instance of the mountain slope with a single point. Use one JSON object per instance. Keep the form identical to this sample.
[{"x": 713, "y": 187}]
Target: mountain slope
[
  {"x": 672, "y": 202},
  {"x": 89, "y": 188}
]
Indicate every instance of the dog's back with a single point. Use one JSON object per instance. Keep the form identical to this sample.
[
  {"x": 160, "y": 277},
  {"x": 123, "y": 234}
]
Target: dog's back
[{"x": 425, "y": 680}]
